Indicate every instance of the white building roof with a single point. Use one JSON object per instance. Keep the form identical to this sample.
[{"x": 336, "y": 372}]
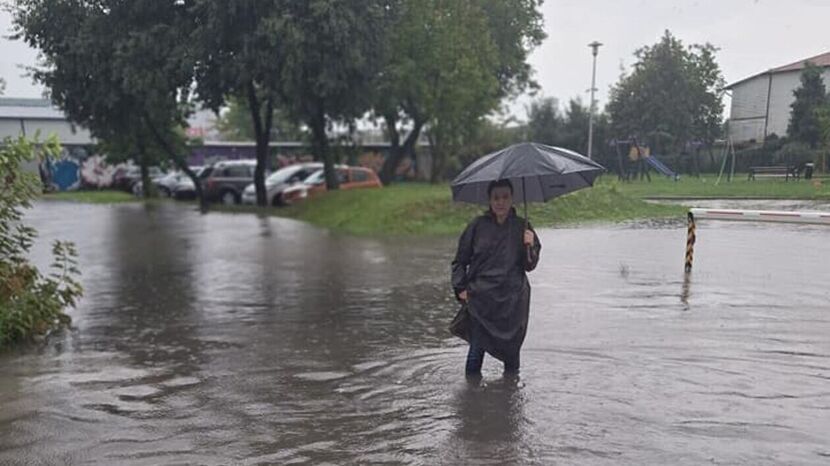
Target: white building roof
[
  {"x": 822, "y": 60},
  {"x": 29, "y": 109}
]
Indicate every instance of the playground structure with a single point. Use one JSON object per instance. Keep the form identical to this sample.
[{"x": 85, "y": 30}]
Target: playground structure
[
  {"x": 639, "y": 161},
  {"x": 728, "y": 156},
  {"x": 810, "y": 218}
]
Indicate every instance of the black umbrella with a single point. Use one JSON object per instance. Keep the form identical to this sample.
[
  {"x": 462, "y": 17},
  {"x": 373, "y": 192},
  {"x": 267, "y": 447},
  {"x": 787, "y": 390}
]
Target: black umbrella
[{"x": 538, "y": 173}]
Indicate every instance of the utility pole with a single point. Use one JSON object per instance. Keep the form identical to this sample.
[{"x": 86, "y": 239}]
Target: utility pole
[{"x": 594, "y": 49}]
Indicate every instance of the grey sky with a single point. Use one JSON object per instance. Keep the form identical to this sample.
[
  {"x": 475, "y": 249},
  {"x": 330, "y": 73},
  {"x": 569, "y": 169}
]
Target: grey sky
[{"x": 753, "y": 35}]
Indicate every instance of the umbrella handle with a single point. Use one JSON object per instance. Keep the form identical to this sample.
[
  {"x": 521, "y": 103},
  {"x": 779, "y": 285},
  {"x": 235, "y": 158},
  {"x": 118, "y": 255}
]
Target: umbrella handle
[{"x": 527, "y": 246}]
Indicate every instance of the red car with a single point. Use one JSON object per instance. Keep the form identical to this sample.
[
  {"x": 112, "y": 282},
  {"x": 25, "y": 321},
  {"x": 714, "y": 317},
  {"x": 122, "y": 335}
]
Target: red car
[{"x": 347, "y": 177}]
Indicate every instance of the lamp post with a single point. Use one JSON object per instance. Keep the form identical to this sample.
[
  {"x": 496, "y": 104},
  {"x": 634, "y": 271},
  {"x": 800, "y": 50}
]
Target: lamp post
[{"x": 594, "y": 49}]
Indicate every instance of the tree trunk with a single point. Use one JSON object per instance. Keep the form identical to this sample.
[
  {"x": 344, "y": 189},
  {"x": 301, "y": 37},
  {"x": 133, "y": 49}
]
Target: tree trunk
[
  {"x": 320, "y": 145},
  {"x": 398, "y": 152},
  {"x": 712, "y": 162},
  {"x": 696, "y": 161},
  {"x": 390, "y": 164},
  {"x": 262, "y": 133},
  {"x": 180, "y": 162},
  {"x": 437, "y": 152},
  {"x": 146, "y": 183}
]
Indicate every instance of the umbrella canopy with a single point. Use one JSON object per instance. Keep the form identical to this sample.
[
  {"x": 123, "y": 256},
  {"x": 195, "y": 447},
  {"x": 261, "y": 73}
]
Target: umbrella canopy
[{"x": 538, "y": 173}]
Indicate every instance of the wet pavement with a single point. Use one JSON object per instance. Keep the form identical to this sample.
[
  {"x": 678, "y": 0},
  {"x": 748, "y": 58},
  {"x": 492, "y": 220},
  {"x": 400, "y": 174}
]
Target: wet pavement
[{"x": 234, "y": 339}]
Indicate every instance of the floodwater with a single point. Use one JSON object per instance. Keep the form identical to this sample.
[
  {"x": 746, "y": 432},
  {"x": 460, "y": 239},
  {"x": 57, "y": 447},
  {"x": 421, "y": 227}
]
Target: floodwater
[{"x": 234, "y": 339}]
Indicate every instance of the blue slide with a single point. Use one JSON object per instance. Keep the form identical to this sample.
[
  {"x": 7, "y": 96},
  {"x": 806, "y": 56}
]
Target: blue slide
[{"x": 660, "y": 167}]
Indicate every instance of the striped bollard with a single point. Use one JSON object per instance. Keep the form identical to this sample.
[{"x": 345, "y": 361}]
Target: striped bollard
[{"x": 690, "y": 243}]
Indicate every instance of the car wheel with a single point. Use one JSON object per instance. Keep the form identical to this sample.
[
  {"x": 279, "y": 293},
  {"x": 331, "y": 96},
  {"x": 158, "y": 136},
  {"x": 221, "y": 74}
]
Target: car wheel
[
  {"x": 277, "y": 200},
  {"x": 165, "y": 191},
  {"x": 229, "y": 198}
]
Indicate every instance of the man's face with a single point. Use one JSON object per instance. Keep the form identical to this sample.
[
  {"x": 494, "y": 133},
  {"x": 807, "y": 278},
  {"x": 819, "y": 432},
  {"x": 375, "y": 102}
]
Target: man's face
[{"x": 501, "y": 200}]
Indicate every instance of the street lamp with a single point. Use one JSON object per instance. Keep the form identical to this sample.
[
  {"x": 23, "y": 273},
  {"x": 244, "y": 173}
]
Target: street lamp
[{"x": 594, "y": 49}]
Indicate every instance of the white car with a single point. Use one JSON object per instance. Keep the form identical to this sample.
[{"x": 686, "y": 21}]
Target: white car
[{"x": 279, "y": 181}]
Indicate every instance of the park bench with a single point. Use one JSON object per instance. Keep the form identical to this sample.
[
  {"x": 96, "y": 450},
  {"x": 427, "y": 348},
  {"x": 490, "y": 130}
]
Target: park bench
[{"x": 780, "y": 170}]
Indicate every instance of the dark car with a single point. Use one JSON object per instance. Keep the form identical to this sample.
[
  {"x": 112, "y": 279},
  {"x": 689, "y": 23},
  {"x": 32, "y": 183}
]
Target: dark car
[
  {"x": 126, "y": 177},
  {"x": 225, "y": 181}
]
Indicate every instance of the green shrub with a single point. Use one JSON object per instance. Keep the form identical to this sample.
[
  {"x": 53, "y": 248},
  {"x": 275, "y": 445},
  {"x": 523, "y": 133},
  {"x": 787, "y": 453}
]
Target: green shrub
[{"x": 31, "y": 303}]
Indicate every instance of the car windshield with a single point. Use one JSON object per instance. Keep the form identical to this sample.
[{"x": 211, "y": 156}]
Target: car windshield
[
  {"x": 315, "y": 178},
  {"x": 282, "y": 175}
]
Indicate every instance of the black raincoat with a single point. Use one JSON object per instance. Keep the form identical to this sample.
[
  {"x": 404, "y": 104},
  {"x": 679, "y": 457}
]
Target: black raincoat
[{"x": 490, "y": 264}]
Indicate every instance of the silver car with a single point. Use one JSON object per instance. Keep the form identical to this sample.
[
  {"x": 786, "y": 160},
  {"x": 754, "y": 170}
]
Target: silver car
[
  {"x": 184, "y": 188},
  {"x": 166, "y": 184},
  {"x": 279, "y": 181}
]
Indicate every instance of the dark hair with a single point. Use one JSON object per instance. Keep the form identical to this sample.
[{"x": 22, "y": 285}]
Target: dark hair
[{"x": 503, "y": 183}]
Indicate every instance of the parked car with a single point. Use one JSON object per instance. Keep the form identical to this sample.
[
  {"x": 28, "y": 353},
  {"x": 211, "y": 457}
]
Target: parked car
[
  {"x": 279, "y": 181},
  {"x": 184, "y": 188},
  {"x": 225, "y": 181},
  {"x": 347, "y": 177},
  {"x": 126, "y": 177},
  {"x": 167, "y": 183}
]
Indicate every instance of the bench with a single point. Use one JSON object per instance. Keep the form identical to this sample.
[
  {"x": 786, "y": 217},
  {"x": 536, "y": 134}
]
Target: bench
[{"x": 781, "y": 170}]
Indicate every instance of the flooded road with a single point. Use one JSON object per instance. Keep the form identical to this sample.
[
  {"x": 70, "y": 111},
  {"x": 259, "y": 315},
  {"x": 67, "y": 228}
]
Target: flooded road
[{"x": 233, "y": 339}]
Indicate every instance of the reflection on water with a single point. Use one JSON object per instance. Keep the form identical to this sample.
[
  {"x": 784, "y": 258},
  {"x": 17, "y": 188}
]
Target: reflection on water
[{"x": 237, "y": 339}]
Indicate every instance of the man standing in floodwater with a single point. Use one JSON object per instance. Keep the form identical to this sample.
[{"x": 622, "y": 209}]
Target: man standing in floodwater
[{"x": 489, "y": 276}]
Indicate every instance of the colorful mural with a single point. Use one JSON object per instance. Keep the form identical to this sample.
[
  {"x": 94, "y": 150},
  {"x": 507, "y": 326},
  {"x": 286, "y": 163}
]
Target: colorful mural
[
  {"x": 96, "y": 173},
  {"x": 76, "y": 169}
]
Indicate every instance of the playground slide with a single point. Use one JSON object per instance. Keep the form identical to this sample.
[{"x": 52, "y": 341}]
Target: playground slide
[{"x": 660, "y": 167}]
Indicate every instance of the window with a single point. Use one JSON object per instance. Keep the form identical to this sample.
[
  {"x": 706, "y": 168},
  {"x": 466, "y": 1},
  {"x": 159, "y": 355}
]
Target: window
[
  {"x": 314, "y": 178},
  {"x": 238, "y": 171},
  {"x": 342, "y": 176},
  {"x": 360, "y": 176}
]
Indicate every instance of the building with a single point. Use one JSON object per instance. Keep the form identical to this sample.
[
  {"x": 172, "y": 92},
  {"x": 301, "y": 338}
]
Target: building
[
  {"x": 28, "y": 117},
  {"x": 761, "y": 103}
]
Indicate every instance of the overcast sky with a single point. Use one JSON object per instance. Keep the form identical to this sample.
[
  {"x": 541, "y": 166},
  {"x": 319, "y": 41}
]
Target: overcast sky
[{"x": 753, "y": 35}]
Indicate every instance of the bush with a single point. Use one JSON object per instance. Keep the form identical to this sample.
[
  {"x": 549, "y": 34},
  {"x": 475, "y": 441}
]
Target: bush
[{"x": 31, "y": 303}]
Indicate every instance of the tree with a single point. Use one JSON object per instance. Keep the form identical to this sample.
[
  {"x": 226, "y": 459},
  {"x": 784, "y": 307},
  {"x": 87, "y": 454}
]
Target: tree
[
  {"x": 805, "y": 120},
  {"x": 330, "y": 52},
  {"x": 235, "y": 123},
  {"x": 120, "y": 69},
  {"x": 575, "y": 127},
  {"x": 511, "y": 28},
  {"x": 31, "y": 303},
  {"x": 505, "y": 33},
  {"x": 672, "y": 96},
  {"x": 239, "y": 56},
  {"x": 545, "y": 122}
]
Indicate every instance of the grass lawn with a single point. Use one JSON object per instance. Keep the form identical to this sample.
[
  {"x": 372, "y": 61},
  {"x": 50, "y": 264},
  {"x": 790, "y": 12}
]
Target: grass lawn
[
  {"x": 92, "y": 197},
  {"x": 740, "y": 187},
  {"x": 417, "y": 208}
]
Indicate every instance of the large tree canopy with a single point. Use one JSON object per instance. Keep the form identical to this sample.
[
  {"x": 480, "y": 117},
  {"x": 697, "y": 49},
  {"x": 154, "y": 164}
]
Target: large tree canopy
[
  {"x": 671, "y": 97},
  {"x": 237, "y": 45},
  {"x": 330, "y": 53},
  {"x": 474, "y": 51},
  {"x": 118, "y": 68}
]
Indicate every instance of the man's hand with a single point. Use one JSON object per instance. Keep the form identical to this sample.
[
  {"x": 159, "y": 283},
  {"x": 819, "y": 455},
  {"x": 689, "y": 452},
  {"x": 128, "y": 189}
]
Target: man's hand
[
  {"x": 529, "y": 237},
  {"x": 463, "y": 296}
]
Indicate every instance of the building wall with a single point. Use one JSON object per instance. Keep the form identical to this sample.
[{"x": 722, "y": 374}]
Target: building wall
[
  {"x": 749, "y": 105},
  {"x": 748, "y": 115},
  {"x": 66, "y": 133},
  {"x": 781, "y": 97}
]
